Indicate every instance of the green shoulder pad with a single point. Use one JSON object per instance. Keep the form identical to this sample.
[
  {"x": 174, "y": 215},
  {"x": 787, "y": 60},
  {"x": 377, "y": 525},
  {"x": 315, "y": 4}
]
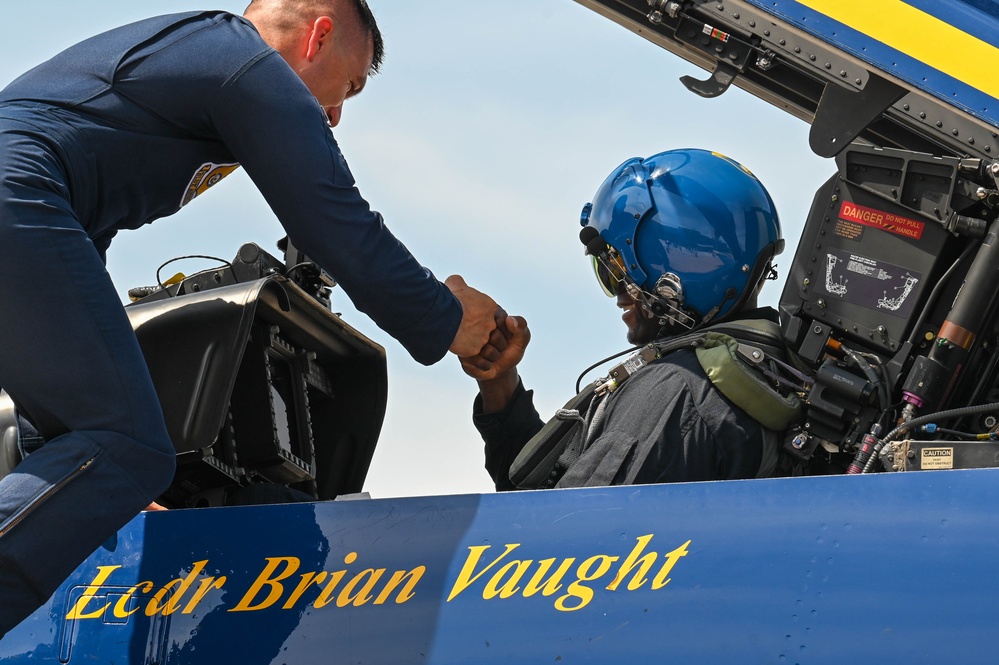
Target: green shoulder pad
[{"x": 737, "y": 381}]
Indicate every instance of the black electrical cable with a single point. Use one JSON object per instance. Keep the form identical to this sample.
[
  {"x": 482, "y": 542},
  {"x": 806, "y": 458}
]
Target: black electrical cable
[
  {"x": 871, "y": 375},
  {"x": 579, "y": 381},
  {"x": 942, "y": 415},
  {"x": 159, "y": 281},
  {"x": 299, "y": 266},
  {"x": 931, "y": 301},
  {"x": 977, "y": 436}
]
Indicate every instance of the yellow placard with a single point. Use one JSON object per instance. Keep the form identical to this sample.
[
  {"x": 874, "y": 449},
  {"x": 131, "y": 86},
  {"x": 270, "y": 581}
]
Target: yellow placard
[{"x": 936, "y": 458}]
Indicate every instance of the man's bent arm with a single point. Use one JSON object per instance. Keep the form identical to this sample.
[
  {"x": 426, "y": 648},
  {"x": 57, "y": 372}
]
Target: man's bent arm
[
  {"x": 276, "y": 130},
  {"x": 506, "y": 432}
]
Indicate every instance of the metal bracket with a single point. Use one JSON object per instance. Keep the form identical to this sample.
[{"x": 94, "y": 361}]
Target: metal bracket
[
  {"x": 730, "y": 51},
  {"x": 751, "y": 354},
  {"x": 843, "y": 114},
  {"x": 719, "y": 82}
]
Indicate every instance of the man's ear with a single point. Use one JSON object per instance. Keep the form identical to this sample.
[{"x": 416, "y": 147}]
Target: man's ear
[{"x": 319, "y": 37}]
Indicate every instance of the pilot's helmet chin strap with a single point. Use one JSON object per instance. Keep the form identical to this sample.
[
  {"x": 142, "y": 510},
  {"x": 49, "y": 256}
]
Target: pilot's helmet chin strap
[{"x": 665, "y": 304}]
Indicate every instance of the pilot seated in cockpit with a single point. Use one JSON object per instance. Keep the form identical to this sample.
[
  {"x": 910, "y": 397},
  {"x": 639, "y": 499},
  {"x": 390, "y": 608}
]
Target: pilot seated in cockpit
[{"x": 684, "y": 240}]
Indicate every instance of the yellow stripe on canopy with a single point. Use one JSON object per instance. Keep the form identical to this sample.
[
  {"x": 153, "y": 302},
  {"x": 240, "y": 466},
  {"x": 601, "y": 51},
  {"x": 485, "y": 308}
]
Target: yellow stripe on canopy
[{"x": 921, "y": 36}]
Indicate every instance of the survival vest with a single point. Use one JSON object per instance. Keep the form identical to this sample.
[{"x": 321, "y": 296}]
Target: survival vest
[{"x": 744, "y": 360}]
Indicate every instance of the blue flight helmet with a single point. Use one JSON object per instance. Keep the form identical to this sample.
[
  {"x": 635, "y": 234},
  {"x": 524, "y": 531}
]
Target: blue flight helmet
[{"x": 689, "y": 233}]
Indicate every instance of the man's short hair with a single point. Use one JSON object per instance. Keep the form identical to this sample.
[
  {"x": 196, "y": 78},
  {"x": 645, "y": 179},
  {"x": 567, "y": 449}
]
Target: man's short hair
[
  {"x": 363, "y": 13},
  {"x": 368, "y": 22}
]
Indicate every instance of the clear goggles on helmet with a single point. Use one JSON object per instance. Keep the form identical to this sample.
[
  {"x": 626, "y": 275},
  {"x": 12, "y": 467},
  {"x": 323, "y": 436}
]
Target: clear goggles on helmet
[{"x": 610, "y": 271}]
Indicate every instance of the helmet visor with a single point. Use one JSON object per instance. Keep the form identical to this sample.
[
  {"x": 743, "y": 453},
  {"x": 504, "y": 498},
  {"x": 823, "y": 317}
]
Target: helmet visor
[{"x": 611, "y": 272}]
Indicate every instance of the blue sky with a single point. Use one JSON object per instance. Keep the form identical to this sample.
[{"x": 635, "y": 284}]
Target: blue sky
[{"x": 490, "y": 126}]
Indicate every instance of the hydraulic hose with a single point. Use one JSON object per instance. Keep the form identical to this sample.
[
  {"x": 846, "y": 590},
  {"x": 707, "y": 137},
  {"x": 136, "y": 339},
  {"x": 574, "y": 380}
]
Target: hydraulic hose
[{"x": 864, "y": 460}]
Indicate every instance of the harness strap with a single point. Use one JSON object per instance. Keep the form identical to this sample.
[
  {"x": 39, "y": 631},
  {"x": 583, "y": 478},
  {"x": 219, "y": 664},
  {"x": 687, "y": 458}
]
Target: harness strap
[{"x": 545, "y": 458}]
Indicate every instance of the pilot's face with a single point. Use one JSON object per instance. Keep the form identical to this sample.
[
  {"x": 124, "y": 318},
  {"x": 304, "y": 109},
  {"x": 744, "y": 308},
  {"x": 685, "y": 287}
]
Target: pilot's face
[{"x": 641, "y": 328}]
